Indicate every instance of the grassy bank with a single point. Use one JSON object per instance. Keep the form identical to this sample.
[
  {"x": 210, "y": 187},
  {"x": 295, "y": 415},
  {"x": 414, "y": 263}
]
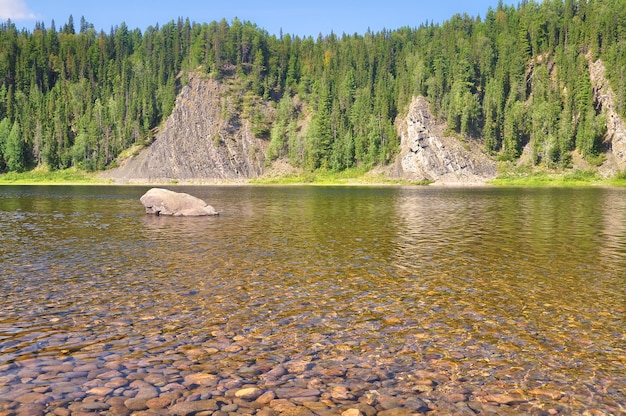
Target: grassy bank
[
  {"x": 527, "y": 178},
  {"x": 353, "y": 176},
  {"x": 521, "y": 177},
  {"x": 49, "y": 177}
]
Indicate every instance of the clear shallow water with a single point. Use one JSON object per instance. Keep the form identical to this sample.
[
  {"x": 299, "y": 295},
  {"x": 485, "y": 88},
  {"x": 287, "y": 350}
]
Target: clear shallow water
[{"x": 501, "y": 300}]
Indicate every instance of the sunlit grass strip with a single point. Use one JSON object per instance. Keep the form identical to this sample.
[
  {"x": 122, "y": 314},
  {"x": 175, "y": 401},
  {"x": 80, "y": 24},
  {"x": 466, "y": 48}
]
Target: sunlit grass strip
[
  {"x": 536, "y": 179},
  {"x": 46, "y": 177},
  {"x": 353, "y": 176}
]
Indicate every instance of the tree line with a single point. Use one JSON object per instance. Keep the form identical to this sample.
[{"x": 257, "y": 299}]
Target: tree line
[{"x": 519, "y": 76}]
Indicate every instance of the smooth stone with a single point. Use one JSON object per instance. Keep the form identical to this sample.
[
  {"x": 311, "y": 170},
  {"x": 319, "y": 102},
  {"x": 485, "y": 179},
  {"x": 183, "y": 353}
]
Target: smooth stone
[
  {"x": 192, "y": 408},
  {"x": 267, "y": 412},
  {"x": 341, "y": 393},
  {"x": 158, "y": 402},
  {"x": 147, "y": 393},
  {"x": 389, "y": 402},
  {"x": 366, "y": 409},
  {"x": 455, "y": 398},
  {"x": 97, "y": 406},
  {"x": 136, "y": 404},
  {"x": 230, "y": 408},
  {"x": 317, "y": 407},
  {"x": 502, "y": 399},
  {"x": 397, "y": 411},
  {"x": 281, "y": 405},
  {"x": 156, "y": 380},
  {"x": 100, "y": 391},
  {"x": 266, "y": 397},
  {"x": 286, "y": 393},
  {"x": 200, "y": 379},
  {"x": 116, "y": 383},
  {"x": 30, "y": 398},
  {"x": 276, "y": 372},
  {"x": 297, "y": 411},
  {"x": 298, "y": 366},
  {"x": 29, "y": 409},
  {"x": 251, "y": 393},
  {"x": 351, "y": 412}
]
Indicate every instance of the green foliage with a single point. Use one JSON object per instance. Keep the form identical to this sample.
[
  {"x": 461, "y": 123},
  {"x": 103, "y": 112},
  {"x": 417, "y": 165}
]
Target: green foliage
[
  {"x": 527, "y": 176},
  {"x": 517, "y": 77},
  {"x": 41, "y": 176}
]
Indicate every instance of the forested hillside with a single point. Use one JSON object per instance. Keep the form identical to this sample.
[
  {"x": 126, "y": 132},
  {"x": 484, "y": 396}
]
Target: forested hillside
[{"x": 72, "y": 96}]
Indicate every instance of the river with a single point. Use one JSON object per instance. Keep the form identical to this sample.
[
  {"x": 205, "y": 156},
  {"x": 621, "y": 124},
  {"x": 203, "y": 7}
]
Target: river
[{"x": 314, "y": 300}]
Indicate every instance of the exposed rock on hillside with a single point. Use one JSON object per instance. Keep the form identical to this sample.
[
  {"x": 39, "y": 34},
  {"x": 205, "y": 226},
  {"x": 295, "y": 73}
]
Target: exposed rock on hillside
[
  {"x": 204, "y": 139},
  {"x": 428, "y": 154},
  {"x": 616, "y": 132}
]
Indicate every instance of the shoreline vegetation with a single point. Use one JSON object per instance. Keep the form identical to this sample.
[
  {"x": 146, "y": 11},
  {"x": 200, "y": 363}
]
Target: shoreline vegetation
[{"x": 518, "y": 177}]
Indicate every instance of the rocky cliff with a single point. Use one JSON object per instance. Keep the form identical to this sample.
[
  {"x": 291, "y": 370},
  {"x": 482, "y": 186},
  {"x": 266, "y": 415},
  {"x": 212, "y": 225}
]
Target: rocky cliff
[
  {"x": 426, "y": 153},
  {"x": 615, "y": 138},
  {"x": 204, "y": 139}
]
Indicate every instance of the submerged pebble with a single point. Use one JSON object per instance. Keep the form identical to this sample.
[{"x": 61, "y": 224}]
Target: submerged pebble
[{"x": 383, "y": 302}]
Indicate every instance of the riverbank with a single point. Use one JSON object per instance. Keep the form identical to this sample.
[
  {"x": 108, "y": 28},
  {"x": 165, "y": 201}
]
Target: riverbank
[
  {"x": 350, "y": 177},
  {"x": 52, "y": 177}
]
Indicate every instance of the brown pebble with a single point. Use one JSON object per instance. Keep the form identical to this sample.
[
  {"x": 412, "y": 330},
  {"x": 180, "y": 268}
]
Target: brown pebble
[
  {"x": 267, "y": 412},
  {"x": 281, "y": 405},
  {"x": 455, "y": 398},
  {"x": 193, "y": 408},
  {"x": 158, "y": 402},
  {"x": 286, "y": 393},
  {"x": 100, "y": 391},
  {"x": 266, "y": 397},
  {"x": 200, "y": 379},
  {"x": 30, "y": 398},
  {"x": 30, "y": 409},
  {"x": 251, "y": 393},
  {"x": 396, "y": 411},
  {"x": 502, "y": 399},
  {"x": 136, "y": 404}
]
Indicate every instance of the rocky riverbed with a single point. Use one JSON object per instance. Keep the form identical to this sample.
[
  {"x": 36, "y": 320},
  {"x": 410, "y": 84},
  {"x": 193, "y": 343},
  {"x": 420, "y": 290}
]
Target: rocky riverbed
[
  {"x": 312, "y": 301},
  {"x": 229, "y": 374}
]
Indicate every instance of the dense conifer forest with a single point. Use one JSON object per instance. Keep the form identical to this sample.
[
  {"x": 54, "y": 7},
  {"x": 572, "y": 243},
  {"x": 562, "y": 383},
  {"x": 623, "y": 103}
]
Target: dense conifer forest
[{"x": 73, "y": 96}]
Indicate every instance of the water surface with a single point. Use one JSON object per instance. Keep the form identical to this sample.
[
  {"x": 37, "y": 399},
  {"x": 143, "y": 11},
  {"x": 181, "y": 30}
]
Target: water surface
[{"x": 503, "y": 300}]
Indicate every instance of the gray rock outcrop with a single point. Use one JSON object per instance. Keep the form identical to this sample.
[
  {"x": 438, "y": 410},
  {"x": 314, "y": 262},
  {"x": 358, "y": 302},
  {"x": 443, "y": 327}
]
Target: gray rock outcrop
[
  {"x": 204, "y": 139},
  {"x": 616, "y": 130},
  {"x": 426, "y": 153},
  {"x": 159, "y": 201}
]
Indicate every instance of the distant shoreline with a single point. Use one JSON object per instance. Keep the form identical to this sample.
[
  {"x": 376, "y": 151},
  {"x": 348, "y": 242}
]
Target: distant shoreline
[{"x": 73, "y": 177}]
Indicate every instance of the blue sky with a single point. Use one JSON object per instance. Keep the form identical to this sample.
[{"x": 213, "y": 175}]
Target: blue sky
[{"x": 301, "y": 18}]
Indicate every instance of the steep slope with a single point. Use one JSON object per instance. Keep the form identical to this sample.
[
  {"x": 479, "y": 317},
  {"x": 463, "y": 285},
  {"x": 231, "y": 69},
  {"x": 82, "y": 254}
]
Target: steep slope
[
  {"x": 615, "y": 138},
  {"x": 428, "y": 154},
  {"x": 204, "y": 139}
]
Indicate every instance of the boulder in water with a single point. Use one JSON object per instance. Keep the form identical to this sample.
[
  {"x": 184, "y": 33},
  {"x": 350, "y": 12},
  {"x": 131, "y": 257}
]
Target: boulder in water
[{"x": 159, "y": 201}]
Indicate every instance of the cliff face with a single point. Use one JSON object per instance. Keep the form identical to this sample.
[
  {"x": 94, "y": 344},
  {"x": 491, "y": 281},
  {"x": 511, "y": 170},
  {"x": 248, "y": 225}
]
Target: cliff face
[
  {"x": 426, "y": 153},
  {"x": 615, "y": 138},
  {"x": 204, "y": 139}
]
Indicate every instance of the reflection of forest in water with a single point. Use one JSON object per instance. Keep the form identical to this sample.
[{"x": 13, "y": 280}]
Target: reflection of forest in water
[{"x": 538, "y": 272}]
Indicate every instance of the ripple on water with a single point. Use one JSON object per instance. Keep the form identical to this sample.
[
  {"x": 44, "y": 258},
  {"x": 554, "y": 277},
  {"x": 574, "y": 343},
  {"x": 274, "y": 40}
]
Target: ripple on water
[{"x": 456, "y": 300}]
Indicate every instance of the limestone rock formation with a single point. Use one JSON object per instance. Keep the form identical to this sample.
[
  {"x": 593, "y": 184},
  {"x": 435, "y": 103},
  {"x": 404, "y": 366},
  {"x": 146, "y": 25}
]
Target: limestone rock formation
[
  {"x": 426, "y": 153},
  {"x": 204, "y": 139},
  {"x": 616, "y": 130},
  {"x": 159, "y": 201}
]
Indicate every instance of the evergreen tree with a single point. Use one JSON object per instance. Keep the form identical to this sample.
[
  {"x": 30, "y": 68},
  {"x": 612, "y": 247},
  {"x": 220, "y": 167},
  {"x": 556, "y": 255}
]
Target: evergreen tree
[{"x": 520, "y": 76}]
